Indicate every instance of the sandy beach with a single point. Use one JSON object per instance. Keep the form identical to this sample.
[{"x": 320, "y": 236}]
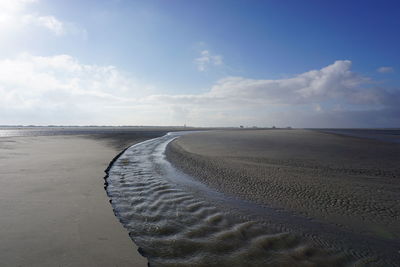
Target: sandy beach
[
  {"x": 348, "y": 181},
  {"x": 54, "y": 210}
]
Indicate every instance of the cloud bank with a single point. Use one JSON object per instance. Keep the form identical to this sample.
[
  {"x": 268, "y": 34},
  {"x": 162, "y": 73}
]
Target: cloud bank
[
  {"x": 62, "y": 90},
  {"x": 333, "y": 96}
]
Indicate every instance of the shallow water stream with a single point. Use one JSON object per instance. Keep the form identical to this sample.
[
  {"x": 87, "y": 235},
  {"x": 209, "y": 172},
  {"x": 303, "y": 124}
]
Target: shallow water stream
[{"x": 177, "y": 221}]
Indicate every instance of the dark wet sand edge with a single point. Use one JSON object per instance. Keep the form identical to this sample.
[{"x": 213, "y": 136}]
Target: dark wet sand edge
[{"x": 107, "y": 171}]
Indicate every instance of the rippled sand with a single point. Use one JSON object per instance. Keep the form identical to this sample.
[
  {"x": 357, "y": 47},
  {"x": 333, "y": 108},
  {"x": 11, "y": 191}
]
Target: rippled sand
[{"x": 349, "y": 182}]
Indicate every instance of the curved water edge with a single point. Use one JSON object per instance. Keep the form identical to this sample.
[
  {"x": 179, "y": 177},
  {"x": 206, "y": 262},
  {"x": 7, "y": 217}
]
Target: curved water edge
[{"x": 178, "y": 221}]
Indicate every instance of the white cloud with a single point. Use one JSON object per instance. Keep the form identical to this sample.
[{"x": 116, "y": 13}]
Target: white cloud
[
  {"x": 317, "y": 92},
  {"x": 207, "y": 59},
  {"x": 14, "y": 15},
  {"x": 10, "y": 12},
  {"x": 49, "y": 22},
  {"x": 52, "y": 88},
  {"x": 13, "y": 6},
  {"x": 385, "y": 70},
  {"x": 61, "y": 90},
  {"x": 335, "y": 81}
]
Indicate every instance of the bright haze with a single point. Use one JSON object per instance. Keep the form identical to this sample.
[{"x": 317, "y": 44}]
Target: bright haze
[{"x": 203, "y": 63}]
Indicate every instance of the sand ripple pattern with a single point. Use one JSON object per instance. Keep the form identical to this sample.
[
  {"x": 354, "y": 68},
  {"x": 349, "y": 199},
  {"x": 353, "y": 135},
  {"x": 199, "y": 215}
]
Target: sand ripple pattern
[{"x": 175, "y": 224}]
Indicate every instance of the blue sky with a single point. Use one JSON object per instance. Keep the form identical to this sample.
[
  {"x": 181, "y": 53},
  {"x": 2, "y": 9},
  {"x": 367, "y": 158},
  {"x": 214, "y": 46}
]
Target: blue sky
[{"x": 204, "y": 63}]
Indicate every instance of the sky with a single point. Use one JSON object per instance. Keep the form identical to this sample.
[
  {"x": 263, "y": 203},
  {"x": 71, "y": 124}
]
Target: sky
[{"x": 201, "y": 63}]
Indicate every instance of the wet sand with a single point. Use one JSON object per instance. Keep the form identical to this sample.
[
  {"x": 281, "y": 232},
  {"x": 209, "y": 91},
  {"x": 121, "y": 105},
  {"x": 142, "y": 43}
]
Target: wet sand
[
  {"x": 54, "y": 210},
  {"x": 347, "y": 181}
]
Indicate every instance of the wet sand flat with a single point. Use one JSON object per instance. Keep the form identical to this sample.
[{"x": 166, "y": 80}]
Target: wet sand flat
[
  {"x": 54, "y": 210},
  {"x": 350, "y": 182}
]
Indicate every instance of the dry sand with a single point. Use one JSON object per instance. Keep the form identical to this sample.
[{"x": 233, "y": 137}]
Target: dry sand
[
  {"x": 54, "y": 210},
  {"x": 348, "y": 181}
]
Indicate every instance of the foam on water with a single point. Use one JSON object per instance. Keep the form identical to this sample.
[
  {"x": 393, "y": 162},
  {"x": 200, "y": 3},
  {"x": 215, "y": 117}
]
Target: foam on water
[{"x": 177, "y": 221}]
